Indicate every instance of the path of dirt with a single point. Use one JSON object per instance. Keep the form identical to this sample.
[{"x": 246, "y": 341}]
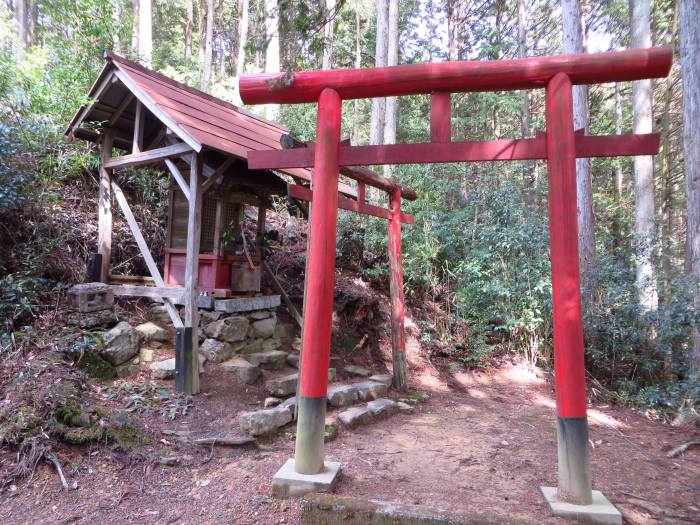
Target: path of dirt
[{"x": 486, "y": 447}]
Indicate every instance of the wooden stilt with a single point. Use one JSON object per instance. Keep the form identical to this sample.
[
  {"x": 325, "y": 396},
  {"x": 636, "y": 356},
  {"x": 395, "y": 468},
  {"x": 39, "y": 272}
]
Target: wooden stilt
[
  {"x": 194, "y": 228},
  {"x": 398, "y": 339},
  {"x": 104, "y": 213}
]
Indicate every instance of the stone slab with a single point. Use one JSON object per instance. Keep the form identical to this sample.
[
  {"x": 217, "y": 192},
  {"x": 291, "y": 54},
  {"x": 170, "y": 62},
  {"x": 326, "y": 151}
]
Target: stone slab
[
  {"x": 342, "y": 510},
  {"x": 355, "y": 416},
  {"x": 382, "y": 407},
  {"x": 600, "y": 512},
  {"x": 247, "y": 304},
  {"x": 288, "y": 483},
  {"x": 385, "y": 379}
]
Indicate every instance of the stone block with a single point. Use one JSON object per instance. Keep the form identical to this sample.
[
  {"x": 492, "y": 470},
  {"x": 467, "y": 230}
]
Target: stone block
[
  {"x": 245, "y": 371},
  {"x": 344, "y": 395},
  {"x": 274, "y": 360},
  {"x": 92, "y": 319},
  {"x": 206, "y": 316},
  {"x": 163, "y": 369},
  {"x": 382, "y": 407},
  {"x": 159, "y": 314},
  {"x": 282, "y": 386},
  {"x": 206, "y": 302},
  {"x": 270, "y": 344},
  {"x": 216, "y": 351},
  {"x": 262, "y": 314},
  {"x": 247, "y": 304},
  {"x": 355, "y": 416},
  {"x": 90, "y": 297},
  {"x": 369, "y": 391},
  {"x": 600, "y": 512},
  {"x": 293, "y": 360},
  {"x": 229, "y": 329},
  {"x": 264, "y": 328},
  {"x": 264, "y": 421},
  {"x": 287, "y": 482}
]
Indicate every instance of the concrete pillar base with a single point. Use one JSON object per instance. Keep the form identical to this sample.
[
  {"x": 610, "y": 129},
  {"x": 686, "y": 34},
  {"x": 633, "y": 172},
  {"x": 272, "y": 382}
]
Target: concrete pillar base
[
  {"x": 600, "y": 512},
  {"x": 288, "y": 483}
]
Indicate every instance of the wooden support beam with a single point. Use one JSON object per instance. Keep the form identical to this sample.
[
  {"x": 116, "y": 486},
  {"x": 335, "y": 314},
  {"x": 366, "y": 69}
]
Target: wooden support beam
[
  {"x": 148, "y": 157},
  {"x": 104, "y": 211},
  {"x": 145, "y": 252},
  {"x": 398, "y": 337},
  {"x": 139, "y": 280},
  {"x": 154, "y": 292},
  {"x": 305, "y": 194},
  {"x": 120, "y": 109},
  {"x": 260, "y": 231},
  {"x": 287, "y": 301},
  {"x": 158, "y": 138},
  {"x": 440, "y": 117},
  {"x": 218, "y": 227},
  {"x": 139, "y": 123},
  {"x": 178, "y": 178},
  {"x": 218, "y": 172},
  {"x": 483, "y": 150},
  {"x": 194, "y": 230}
]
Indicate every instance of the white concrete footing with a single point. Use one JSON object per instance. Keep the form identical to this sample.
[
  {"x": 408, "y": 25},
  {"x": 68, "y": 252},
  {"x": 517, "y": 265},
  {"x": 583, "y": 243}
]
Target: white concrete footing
[
  {"x": 600, "y": 512},
  {"x": 288, "y": 483}
]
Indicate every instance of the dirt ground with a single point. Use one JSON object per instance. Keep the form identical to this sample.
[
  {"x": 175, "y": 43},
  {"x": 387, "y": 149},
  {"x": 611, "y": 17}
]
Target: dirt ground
[{"x": 484, "y": 443}]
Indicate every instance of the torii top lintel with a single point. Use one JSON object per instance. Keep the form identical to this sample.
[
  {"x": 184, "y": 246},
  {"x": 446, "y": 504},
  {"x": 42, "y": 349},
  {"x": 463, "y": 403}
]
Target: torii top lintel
[{"x": 457, "y": 76}]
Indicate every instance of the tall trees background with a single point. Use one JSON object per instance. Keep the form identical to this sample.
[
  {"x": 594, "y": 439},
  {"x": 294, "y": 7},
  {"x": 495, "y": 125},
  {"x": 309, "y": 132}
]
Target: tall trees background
[{"x": 478, "y": 251}]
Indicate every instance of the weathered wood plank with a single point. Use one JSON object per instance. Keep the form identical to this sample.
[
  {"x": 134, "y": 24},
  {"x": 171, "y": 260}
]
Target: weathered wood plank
[
  {"x": 120, "y": 109},
  {"x": 155, "y": 292},
  {"x": 175, "y": 172},
  {"x": 145, "y": 252},
  {"x": 104, "y": 212},
  {"x": 148, "y": 157},
  {"x": 139, "y": 122}
]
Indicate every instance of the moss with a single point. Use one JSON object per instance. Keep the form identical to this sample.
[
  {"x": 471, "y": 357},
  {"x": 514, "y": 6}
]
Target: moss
[
  {"x": 101, "y": 411},
  {"x": 419, "y": 397},
  {"x": 69, "y": 413},
  {"x": 81, "y": 436},
  {"x": 127, "y": 437},
  {"x": 96, "y": 367}
]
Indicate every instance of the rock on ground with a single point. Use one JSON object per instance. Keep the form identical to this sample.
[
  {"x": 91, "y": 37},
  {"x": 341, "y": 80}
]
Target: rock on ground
[
  {"x": 121, "y": 343},
  {"x": 246, "y": 372},
  {"x": 163, "y": 369},
  {"x": 271, "y": 402},
  {"x": 355, "y": 416},
  {"x": 106, "y": 317},
  {"x": 152, "y": 332},
  {"x": 382, "y": 407},
  {"x": 356, "y": 371},
  {"x": 282, "y": 386},
  {"x": 230, "y": 329},
  {"x": 369, "y": 391},
  {"x": 264, "y": 421},
  {"x": 274, "y": 360},
  {"x": 146, "y": 355},
  {"x": 340, "y": 396},
  {"x": 385, "y": 379},
  {"x": 404, "y": 407},
  {"x": 293, "y": 360},
  {"x": 216, "y": 351},
  {"x": 159, "y": 314}
]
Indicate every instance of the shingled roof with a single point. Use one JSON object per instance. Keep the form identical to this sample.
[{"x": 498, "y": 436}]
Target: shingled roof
[{"x": 195, "y": 117}]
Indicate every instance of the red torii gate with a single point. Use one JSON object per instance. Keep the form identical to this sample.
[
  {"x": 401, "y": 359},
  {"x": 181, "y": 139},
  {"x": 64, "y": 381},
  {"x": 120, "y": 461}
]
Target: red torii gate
[{"x": 560, "y": 145}]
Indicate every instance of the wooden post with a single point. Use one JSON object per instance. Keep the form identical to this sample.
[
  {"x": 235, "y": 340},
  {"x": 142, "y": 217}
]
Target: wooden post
[
  {"x": 219, "y": 225},
  {"x": 104, "y": 213},
  {"x": 569, "y": 370},
  {"x": 440, "y": 117},
  {"x": 194, "y": 228},
  {"x": 398, "y": 338},
  {"x": 139, "y": 120},
  {"x": 260, "y": 236}
]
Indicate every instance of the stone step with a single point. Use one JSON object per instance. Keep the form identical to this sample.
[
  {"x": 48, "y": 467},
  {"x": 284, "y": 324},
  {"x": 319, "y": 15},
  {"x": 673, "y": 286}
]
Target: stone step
[
  {"x": 345, "y": 395},
  {"x": 357, "y": 371},
  {"x": 264, "y": 421},
  {"x": 378, "y": 409},
  {"x": 287, "y": 384},
  {"x": 272, "y": 360}
]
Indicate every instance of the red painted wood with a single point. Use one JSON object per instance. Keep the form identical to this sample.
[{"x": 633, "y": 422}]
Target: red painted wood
[
  {"x": 398, "y": 339},
  {"x": 563, "y": 228},
  {"x": 361, "y": 192},
  {"x": 305, "y": 194},
  {"x": 486, "y": 150},
  {"x": 457, "y": 76},
  {"x": 440, "y": 117},
  {"x": 320, "y": 275}
]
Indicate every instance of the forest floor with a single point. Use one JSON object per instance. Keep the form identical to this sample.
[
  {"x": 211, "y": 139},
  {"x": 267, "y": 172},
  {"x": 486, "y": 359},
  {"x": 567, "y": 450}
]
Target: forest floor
[{"x": 482, "y": 442}]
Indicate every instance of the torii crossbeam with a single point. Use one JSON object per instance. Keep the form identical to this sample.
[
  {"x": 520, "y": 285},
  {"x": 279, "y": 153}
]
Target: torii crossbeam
[{"x": 560, "y": 144}]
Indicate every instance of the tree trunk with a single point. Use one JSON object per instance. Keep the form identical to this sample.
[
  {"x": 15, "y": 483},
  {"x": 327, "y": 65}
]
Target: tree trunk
[
  {"x": 189, "y": 26},
  {"x": 242, "y": 36},
  {"x": 328, "y": 30},
  {"x": 33, "y": 23},
  {"x": 529, "y": 166},
  {"x": 380, "y": 58},
  {"x": 453, "y": 29},
  {"x": 358, "y": 65},
  {"x": 572, "y": 39},
  {"x": 117, "y": 20},
  {"x": 619, "y": 175},
  {"x": 135, "y": 5},
  {"x": 21, "y": 17},
  {"x": 145, "y": 33},
  {"x": 272, "y": 52},
  {"x": 392, "y": 60},
  {"x": 647, "y": 294},
  {"x": 690, "y": 66},
  {"x": 208, "y": 36}
]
